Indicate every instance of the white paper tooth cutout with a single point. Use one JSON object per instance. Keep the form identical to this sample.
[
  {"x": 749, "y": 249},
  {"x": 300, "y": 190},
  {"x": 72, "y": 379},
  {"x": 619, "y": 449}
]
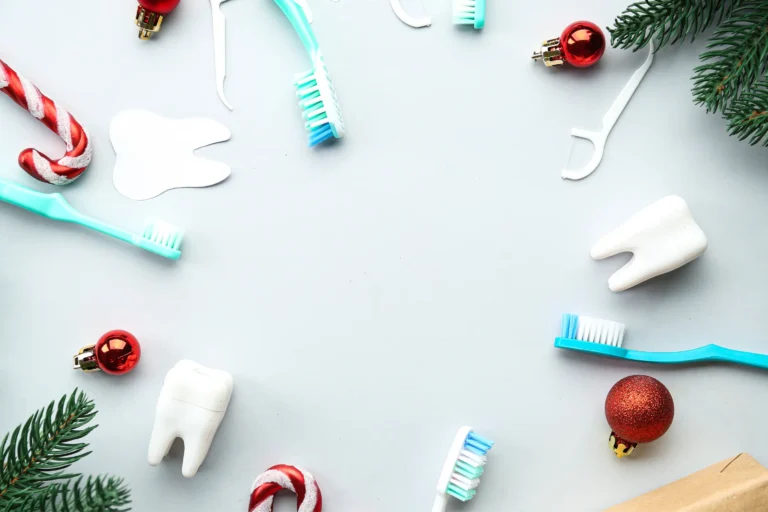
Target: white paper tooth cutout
[
  {"x": 155, "y": 154},
  {"x": 191, "y": 405},
  {"x": 662, "y": 237}
]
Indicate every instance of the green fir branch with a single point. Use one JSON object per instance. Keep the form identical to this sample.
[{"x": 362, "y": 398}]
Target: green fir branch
[
  {"x": 748, "y": 115},
  {"x": 39, "y": 451},
  {"x": 99, "y": 494},
  {"x": 667, "y": 21},
  {"x": 737, "y": 57}
]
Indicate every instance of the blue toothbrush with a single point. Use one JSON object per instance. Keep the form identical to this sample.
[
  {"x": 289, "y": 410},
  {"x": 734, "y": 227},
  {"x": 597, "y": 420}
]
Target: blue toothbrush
[
  {"x": 604, "y": 338},
  {"x": 158, "y": 237},
  {"x": 317, "y": 97}
]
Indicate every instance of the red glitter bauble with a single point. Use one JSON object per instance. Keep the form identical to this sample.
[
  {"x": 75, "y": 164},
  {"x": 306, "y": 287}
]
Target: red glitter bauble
[
  {"x": 159, "y": 6},
  {"x": 639, "y": 409},
  {"x": 583, "y": 44},
  {"x": 117, "y": 352}
]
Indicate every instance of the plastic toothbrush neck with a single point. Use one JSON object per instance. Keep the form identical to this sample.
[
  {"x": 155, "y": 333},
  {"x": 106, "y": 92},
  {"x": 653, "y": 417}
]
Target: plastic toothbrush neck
[{"x": 294, "y": 11}]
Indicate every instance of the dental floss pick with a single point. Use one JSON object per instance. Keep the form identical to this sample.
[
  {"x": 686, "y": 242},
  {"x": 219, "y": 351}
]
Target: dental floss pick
[
  {"x": 599, "y": 139},
  {"x": 220, "y": 48},
  {"x": 407, "y": 18}
]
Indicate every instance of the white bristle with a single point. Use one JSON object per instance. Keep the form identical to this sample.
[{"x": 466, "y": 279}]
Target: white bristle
[
  {"x": 472, "y": 458},
  {"x": 604, "y": 332},
  {"x": 160, "y": 232},
  {"x": 464, "y": 11},
  {"x": 323, "y": 85},
  {"x": 464, "y": 482}
]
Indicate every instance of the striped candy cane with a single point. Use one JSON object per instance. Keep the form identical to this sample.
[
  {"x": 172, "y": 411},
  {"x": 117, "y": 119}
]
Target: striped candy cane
[
  {"x": 290, "y": 478},
  {"x": 37, "y": 165}
]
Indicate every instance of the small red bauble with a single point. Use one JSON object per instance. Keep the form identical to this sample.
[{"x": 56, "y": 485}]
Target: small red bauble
[
  {"x": 116, "y": 353},
  {"x": 149, "y": 16},
  {"x": 639, "y": 409},
  {"x": 159, "y": 6},
  {"x": 581, "y": 45}
]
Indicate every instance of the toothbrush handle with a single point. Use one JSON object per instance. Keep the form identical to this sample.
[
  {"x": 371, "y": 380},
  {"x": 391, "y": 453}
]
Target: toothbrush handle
[
  {"x": 54, "y": 206},
  {"x": 441, "y": 503},
  {"x": 739, "y": 357},
  {"x": 300, "y": 23}
]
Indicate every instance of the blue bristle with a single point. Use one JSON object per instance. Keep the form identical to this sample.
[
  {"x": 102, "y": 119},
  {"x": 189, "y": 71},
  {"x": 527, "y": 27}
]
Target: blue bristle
[
  {"x": 570, "y": 326},
  {"x": 481, "y": 439},
  {"x": 320, "y": 134},
  {"x": 477, "y": 444}
]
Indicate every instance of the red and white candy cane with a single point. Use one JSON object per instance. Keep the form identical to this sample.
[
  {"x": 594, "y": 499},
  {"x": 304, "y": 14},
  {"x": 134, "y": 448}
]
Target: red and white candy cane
[
  {"x": 290, "y": 478},
  {"x": 37, "y": 165}
]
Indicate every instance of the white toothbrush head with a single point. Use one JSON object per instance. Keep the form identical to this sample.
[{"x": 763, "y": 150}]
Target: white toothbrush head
[
  {"x": 584, "y": 328},
  {"x": 319, "y": 105},
  {"x": 161, "y": 238},
  {"x": 462, "y": 468}
]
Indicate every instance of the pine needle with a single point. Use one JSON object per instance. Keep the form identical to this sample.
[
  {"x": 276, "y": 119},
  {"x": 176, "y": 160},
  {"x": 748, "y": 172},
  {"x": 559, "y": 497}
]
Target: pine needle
[
  {"x": 667, "y": 21},
  {"x": 99, "y": 494},
  {"x": 35, "y": 456},
  {"x": 737, "y": 57},
  {"x": 748, "y": 115}
]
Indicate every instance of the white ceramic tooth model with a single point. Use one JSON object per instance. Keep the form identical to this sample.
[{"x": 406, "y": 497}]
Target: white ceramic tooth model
[
  {"x": 192, "y": 404},
  {"x": 663, "y": 237}
]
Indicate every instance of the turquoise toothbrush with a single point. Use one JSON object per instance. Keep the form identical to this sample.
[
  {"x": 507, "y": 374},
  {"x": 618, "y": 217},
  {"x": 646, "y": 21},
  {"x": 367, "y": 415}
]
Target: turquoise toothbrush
[
  {"x": 158, "y": 237},
  {"x": 603, "y": 337},
  {"x": 469, "y": 12},
  {"x": 317, "y": 97}
]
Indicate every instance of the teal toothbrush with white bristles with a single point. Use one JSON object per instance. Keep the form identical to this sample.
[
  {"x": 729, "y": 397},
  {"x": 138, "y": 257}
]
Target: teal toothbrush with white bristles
[
  {"x": 462, "y": 468},
  {"x": 317, "y": 97},
  {"x": 604, "y": 338},
  {"x": 158, "y": 237},
  {"x": 469, "y": 12}
]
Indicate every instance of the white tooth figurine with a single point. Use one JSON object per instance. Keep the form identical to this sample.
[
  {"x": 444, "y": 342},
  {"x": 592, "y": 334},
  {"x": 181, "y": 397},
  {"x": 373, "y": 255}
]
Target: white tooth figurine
[
  {"x": 663, "y": 237},
  {"x": 191, "y": 405}
]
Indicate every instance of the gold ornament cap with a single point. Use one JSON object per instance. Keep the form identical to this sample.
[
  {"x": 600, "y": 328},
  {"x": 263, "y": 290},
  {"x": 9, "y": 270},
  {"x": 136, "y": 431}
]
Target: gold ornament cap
[
  {"x": 621, "y": 447},
  {"x": 551, "y": 53},
  {"x": 149, "y": 22}
]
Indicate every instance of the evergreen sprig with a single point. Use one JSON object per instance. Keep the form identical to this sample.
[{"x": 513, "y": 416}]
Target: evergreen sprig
[
  {"x": 667, "y": 21},
  {"x": 737, "y": 57},
  {"x": 748, "y": 115},
  {"x": 34, "y": 459},
  {"x": 732, "y": 76},
  {"x": 96, "y": 494}
]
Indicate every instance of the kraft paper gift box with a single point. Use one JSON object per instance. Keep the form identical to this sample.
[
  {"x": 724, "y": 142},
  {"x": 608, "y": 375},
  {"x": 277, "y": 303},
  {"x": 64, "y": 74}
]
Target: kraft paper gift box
[{"x": 739, "y": 484}]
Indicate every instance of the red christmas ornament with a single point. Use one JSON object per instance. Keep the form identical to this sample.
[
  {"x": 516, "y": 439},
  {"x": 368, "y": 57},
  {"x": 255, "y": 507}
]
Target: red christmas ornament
[
  {"x": 150, "y": 15},
  {"x": 639, "y": 409},
  {"x": 116, "y": 353},
  {"x": 581, "y": 45}
]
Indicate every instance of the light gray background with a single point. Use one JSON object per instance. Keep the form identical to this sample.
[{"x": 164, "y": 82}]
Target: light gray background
[{"x": 371, "y": 297}]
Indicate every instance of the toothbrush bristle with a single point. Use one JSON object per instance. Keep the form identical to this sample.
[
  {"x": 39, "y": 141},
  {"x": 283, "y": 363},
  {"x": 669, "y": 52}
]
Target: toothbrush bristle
[
  {"x": 162, "y": 233},
  {"x": 318, "y": 103},
  {"x": 584, "y": 328},
  {"x": 469, "y": 467},
  {"x": 469, "y": 12}
]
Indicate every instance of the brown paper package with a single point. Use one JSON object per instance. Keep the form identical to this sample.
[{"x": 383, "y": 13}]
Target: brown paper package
[{"x": 739, "y": 484}]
